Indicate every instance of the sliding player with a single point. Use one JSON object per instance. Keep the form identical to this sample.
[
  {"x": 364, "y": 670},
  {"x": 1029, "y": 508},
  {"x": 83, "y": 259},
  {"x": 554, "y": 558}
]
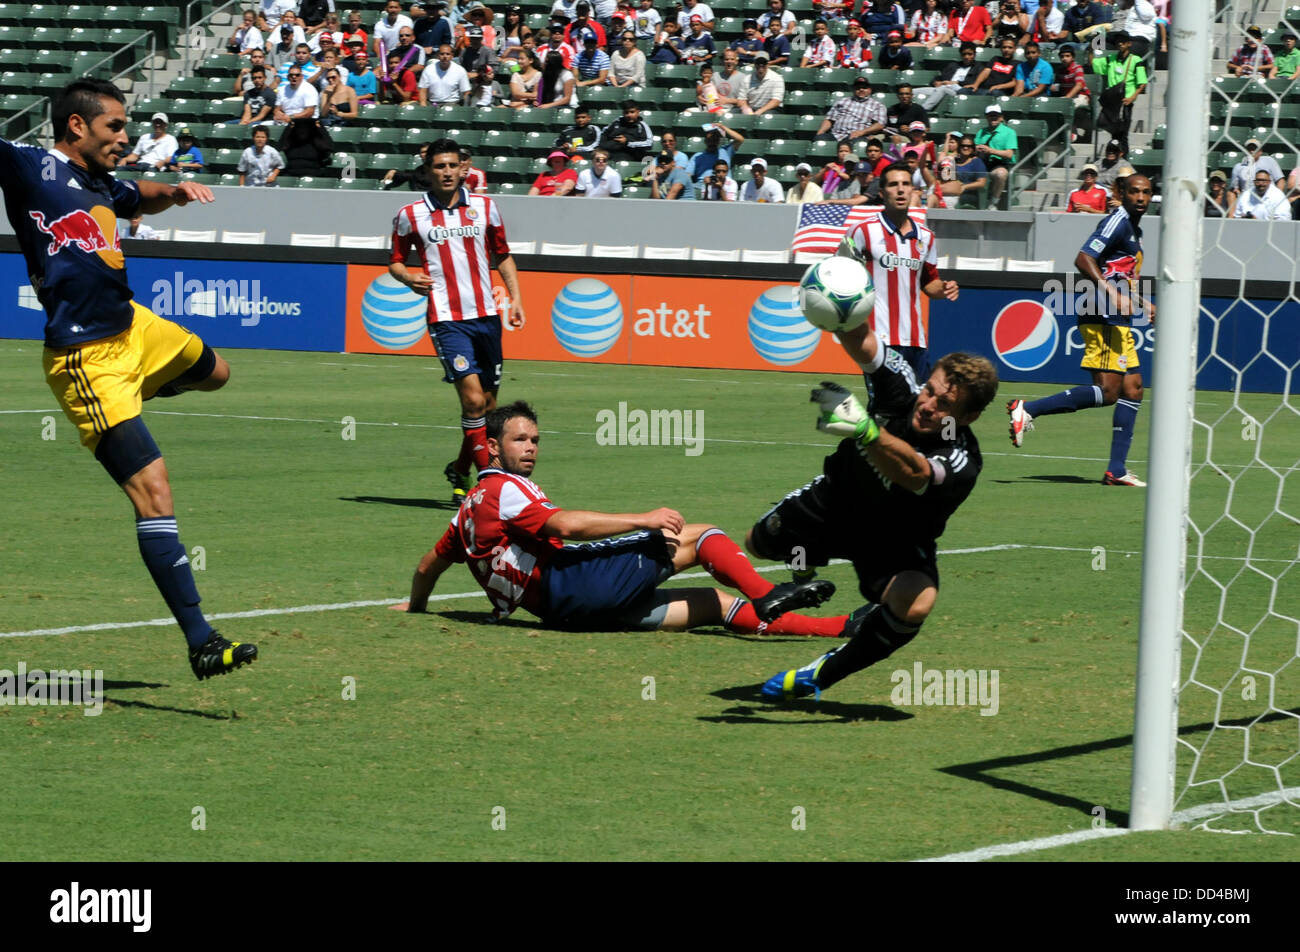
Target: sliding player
[
  {"x": 460, "y": 237},
  {"x": 104, "y": 353},
  {"x": 510, "y": 535}
]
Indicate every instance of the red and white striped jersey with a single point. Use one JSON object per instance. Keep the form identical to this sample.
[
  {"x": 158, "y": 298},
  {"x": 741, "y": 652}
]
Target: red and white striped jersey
[
  {"x": 901, "y": 264},
  {"x": 475, "y": 178},
  {"x": 455, "y": 246},
  {"x": 497, "y": 532}
]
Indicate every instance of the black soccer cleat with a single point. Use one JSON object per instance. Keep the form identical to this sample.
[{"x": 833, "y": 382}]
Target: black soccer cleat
[
  {"x": 218, "y": 656},
  {"x": 790, "y": 596},
  {"x": 459, "y": 483}
]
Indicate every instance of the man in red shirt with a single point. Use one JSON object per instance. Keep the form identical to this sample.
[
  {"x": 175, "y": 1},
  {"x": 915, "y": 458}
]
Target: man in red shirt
[
  {"x": 401, "y": 85},
  {"x": 508, "y": 534},
  {"x": 559, "y": 180},
  {"x": 1089, "y": 197},
  {"x": 969, "y": 23},
  {"x": 472, "y": 178}
]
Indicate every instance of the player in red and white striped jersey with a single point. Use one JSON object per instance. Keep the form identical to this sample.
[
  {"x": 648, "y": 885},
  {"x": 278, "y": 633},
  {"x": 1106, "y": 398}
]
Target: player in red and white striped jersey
[
  {"x": 903, "y": 261},
  {"x": 460, "y": 237},
  {"x": 509, "y": 535}
]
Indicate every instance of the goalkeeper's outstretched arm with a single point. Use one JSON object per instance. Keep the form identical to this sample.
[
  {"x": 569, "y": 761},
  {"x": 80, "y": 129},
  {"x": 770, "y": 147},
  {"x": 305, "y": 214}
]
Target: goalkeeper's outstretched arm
[{"x": 863, "y": 346}]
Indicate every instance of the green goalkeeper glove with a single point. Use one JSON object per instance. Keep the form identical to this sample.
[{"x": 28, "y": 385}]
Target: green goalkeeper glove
[{"x": 843, "y": 414}]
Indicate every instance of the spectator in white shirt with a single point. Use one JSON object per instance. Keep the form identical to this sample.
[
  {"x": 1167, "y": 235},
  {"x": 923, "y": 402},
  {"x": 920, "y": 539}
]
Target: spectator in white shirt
[
  {"x": 270, "y": 12},
  {"x": 760, "y": 188},
  {"x": 298, "y": 99},
  {"x": 155, "y": 149},
  {"x": 247, "y": 36},
  {"x": 719, "y": 187},
  {"x": 389, "y": 27},
  {"x": 1265, "y": 202},
  {"x": 260, "y": 164},
  {"x": 1137, "y": 18},
  {"x": 600, "y": 181},
  {"x": 445, "y": 82}
]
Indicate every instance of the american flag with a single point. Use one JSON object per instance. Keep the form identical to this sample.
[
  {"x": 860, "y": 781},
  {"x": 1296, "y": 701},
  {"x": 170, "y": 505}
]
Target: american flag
[{"x": 821, "y": 227}]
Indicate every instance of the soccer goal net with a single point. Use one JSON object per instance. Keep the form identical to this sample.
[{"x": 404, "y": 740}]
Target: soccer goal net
[{"x": 1217, "y": 737}]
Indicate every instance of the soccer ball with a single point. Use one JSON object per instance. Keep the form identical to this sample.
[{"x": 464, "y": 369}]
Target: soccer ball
[{"x": 836, "y": 294}]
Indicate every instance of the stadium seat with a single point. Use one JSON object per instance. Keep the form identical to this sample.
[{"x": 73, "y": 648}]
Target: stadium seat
[
  {"x": 963, "y": 263},
  {"x": 657, "y": 253},
  {"x": 185, "y": 234},
  {"x": 808, "y": 257},
  {"x": 558, "y": 248},
  {"x": 243, "y": 237},
  {"x": 1015, "y": 265},
  {"x": 942, "y": 262},
  {"x": 615, "y": 251},
  {"x": 367, "y": 241},
  {"x": 714, "y": 254},
  {"x": 758, "y": 256},
  {"x": 523, "y": 247},
  {"x": 313, "y": 241}
]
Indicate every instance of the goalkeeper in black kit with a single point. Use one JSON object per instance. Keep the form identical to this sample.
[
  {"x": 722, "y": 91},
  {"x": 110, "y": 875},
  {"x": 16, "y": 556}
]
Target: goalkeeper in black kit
[{"x": 907, "y": 461}]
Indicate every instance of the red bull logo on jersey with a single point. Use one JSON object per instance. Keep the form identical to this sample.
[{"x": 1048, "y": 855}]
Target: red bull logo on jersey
[
  {"x": 894, "y": 261},
  {"x": 91, "y": 231},
  {"x": 440, "y": 234},
  {"x": 1025, "y": 335}
]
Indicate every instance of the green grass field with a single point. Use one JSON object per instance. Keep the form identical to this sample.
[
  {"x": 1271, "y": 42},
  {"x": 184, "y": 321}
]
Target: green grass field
[{"x": 456, "y": 722}]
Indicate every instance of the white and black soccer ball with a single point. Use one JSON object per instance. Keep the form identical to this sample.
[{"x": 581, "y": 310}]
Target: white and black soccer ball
[{"x": 836, "y": 294}]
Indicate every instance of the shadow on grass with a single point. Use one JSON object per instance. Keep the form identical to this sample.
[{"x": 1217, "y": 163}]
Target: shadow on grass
[
  {"x": 978, "y": 770},
  {"x": 826, "y": 712},
  {"x": 52, "y": 686},
  {"x": 485, "y": 618},
  {"x": 1078, "y": 480},
  {"x": 398, "y": 501},
  {"x": 208, "y": 715}
]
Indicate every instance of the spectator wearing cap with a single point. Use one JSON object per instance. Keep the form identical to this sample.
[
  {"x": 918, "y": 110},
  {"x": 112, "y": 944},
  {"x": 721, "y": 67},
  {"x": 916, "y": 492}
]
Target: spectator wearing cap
[
  {"x": 558, "y": 180},
  {"x": 552, "y": 41},
  {"x": 804, "y": 190},
  {"x": 1111, "y": 162},
  {"x": 599, "y": 180},
  {"x": 1253, "y": 57},
  {"x": 477, "y": 54},
  {"x": 1264, "y": 202},
  {"x": 290, "y": 19},
  {"x": 880, "y": 17},
  {"x": 1089, "y": 197},
  {"x": 893, "y": 54},
  {"x": 961, "y": 76},
  {"x": 259, "y": 100},
  {"x": 928, "y": 26},
  {"x": 855, "y": 116},
  {"x": 766, "y": 88},
  {"x": 281, "y": 52},
  {"x": 361, "y": 78},
  {"x": 355, "y": 57},
  {"x": 776, "y": 44},
  {"x": 477, "y": 15},
  {"x": 1287, "y": 63},
  {"x": 750, "y": 42},
  {"x": 821, "y": 52},
  {"x": 627, "y": 64},
  {"x": 581, "y": 138},
  {"x": 701, "y": 163},
  {"x": 1243, "y": 173},
  {"x": 1117, "y": 67},
  {"x": 760, "y": 188},
  {"x": 187, "y": 157},
  {"x": 694, "y": 8},
  {"x": 998, "y": 145},
  {"x": 444, "y": 82},
  {"x": 717, "y": 184},
  {"x": 583, "y": 24},
  {"x": 1116, "y": 197},
  {"x": 1218, "y": 204},
  {"x": 629, "y": 137},
  {"x": 1137, "y": 18},
  {"x": 606, "y": 11},
  {"x": 856, "y": 51},
  {"x": 669, "y": 181},
  {"x": 324, "y": 45},
  {"x": 918, "y": 143},
  {"x": 389, "y": 26},
  {"x": 154, "y": 149},
  {"x": 592, "y": 64},
  {"x": 863, "y": 188},
  {"x": 433, "y": 29},
  {"x": 1033, "y": 76},
  {"x": 698, "y": 47}
]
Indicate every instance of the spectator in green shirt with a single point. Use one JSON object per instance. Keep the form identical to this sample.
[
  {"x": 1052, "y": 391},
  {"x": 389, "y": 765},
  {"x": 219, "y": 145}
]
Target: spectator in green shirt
[
  {"x": 998, "y": 146},
  {"x": 1119, "y": 66},
  {"x": 1288, "y": 61}
]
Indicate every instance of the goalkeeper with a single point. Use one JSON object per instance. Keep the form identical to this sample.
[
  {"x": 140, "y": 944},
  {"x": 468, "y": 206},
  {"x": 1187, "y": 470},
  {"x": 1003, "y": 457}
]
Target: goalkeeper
[{"x": 907, "y": 461}]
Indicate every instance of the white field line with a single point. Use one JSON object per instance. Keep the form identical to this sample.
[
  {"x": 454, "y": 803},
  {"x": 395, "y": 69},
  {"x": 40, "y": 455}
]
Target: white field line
[{"x": 1180, "y": 818}]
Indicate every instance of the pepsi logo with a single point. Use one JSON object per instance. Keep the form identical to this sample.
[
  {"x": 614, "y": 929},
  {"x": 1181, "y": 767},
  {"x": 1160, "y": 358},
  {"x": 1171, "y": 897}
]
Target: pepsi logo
[{"x": 1025, "y": 335}]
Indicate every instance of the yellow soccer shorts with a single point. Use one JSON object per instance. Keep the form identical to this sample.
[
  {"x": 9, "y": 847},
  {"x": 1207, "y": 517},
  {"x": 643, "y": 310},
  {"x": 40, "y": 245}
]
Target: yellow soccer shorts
[
  {"x": 105, "y": 382},
  {"x": 1108, "y": 347}
]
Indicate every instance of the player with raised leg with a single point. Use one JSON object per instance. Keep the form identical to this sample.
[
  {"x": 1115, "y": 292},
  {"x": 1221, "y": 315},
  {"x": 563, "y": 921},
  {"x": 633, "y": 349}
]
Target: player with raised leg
[
  {"x": 460, "y": 237},
  {"x": 907, "y": 461},
  {"x": 510, "y": 535},
  {"x": 1111, "y": 261},
  {"x": 104, "y": 353}
]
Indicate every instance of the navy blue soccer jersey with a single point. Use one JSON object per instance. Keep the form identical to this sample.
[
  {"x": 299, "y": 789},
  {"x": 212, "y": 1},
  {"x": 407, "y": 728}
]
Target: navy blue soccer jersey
[
  {"x": 1117, "y": 246},
  {"x": 66, "y": 221}
]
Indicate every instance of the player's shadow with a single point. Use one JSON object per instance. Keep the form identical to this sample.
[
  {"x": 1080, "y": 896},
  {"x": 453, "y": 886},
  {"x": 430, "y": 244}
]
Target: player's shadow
[
  {"x": 979, "y": 770},
  {"x": 823, "y": 711},
  {"x": 51, "y": 686},
  {"x": 1051, "y": 478},
  {"x": 485, "y": 618},
  {"x": 400, "y": 501}
]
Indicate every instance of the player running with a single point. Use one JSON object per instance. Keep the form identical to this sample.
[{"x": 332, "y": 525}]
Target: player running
[
  {"x": 882, "y": 500},
  {"x": 459, "y": 236},
  {"x": 104, "y": 353},
  {"x": 901, "y": 257},
  {"x": 1111, "y": 260},
  {"x": 510, "y": 535}
]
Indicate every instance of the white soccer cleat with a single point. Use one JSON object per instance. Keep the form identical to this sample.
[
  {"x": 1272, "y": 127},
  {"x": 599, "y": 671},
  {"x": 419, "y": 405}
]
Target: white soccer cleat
[
  {"x": 1130, "y": 478},
  {"x": 1021, "y": 422}
]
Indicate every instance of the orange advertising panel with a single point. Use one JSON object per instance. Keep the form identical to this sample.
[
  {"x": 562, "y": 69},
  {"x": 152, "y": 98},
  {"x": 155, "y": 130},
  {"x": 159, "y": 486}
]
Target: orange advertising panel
[{"x": 616, "y": 319}]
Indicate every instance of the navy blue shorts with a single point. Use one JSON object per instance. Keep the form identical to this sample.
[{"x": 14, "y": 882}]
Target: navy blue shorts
[
  {"x": 599, "y": 586},
  {"x": 470, "y": 347}
]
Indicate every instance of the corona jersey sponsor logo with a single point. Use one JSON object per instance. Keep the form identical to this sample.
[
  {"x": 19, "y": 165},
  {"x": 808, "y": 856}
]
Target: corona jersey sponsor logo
[
  {"x": 893, "y": 261},
  {"x": 439, "y": 234}
]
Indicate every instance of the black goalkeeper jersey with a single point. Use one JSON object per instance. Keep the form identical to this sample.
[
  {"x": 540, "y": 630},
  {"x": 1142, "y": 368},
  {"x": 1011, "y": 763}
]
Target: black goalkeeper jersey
[{"x": 874, "y": 501}]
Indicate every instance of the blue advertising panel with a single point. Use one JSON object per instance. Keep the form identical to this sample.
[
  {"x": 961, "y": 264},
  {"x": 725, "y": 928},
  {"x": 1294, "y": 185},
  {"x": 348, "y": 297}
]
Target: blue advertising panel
[
  {"x": 265, "y": 305},
  {"x": 1028, "y": 341}
]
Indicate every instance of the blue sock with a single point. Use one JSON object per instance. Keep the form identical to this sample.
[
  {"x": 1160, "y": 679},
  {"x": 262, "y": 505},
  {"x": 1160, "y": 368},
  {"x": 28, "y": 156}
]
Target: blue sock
[
  {"x": 1121, "y": 434},
  {"x": 165, "y": 557},
  {"x": 1067, "y": 401}
]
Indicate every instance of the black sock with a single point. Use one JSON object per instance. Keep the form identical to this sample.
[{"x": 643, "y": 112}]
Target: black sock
[
  {"x": 875, "y": 634},
  {"x": 168, "y": 563}
]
